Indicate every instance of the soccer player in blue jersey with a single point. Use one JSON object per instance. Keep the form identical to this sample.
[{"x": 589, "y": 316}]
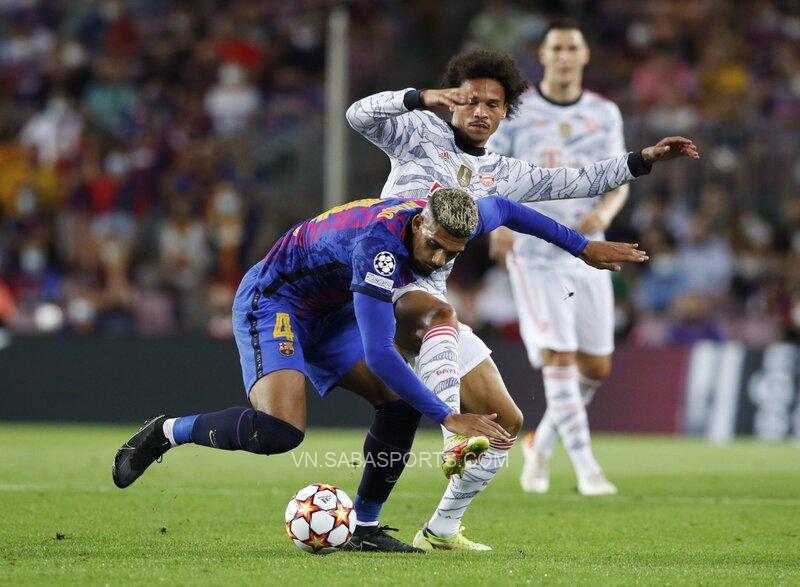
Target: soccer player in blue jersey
[{"x": 319, "y": 306}]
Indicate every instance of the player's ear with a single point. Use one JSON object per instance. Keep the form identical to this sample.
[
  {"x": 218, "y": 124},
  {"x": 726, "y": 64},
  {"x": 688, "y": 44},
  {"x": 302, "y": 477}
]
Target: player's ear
[{"x": 416, "y": 223}]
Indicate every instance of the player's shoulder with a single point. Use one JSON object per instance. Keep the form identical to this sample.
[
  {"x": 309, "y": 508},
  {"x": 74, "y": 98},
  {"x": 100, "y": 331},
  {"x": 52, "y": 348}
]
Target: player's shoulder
[
  {"x": 388, "y": 226},
  {"x": 596, "y": 101}
]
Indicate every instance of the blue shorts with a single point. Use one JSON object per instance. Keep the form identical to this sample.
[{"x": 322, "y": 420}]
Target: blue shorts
[{"x": 270, "y": 337}]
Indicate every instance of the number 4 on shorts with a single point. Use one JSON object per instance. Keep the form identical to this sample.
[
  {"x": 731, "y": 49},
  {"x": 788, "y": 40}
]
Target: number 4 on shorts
[{"x": 283, "y": 327}]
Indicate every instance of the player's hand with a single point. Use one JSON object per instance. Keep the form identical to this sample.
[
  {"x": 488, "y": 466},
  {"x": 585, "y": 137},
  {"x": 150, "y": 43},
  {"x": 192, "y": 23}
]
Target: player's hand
[
  {"x": 670, "y": 148},
  {"x": 501, "y": 242},
  {"x": 592, "y": 222},
  {"x": 608, "y": 255},
  {"x": 447, "y": 98},
  {"x": 475, "y": 425}
]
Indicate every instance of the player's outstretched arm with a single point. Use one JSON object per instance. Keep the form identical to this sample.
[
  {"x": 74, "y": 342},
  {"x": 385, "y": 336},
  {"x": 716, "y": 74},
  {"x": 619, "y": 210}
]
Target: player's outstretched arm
[
  {"x": 377, "y": 325},
  {"x": 495, "y": 212},
  {"x": 527, "y": 183}
]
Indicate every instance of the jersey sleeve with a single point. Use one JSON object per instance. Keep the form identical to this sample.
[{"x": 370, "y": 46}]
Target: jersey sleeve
[
  {"x": 494, "y": 211},
  {"x": 524, "y": 182},
  {"x": 383, "y": 119},
  {"x": 376, "y": 261},
  {"x": 377, "y": 325}
]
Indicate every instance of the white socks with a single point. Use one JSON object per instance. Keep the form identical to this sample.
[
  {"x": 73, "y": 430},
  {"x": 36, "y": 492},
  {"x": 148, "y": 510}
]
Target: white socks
[
  {"x": 588, "y": 386},
  {"x": 437, "y": 365},
  {"x": 462, "y": 489},
  {"x": 167, "y": 428},
  {"x": 566, "y": 414},
  {"x": 546, "y": 435}
]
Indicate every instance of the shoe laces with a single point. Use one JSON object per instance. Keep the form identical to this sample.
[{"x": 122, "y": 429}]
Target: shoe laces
[
  {"x": 147, "y": 452},
  {"x": 387, "y": 527}
]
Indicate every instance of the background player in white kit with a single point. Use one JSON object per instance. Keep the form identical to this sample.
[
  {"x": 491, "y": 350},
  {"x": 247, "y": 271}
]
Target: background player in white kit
[
  {"x": 566, "y": 309},
  {"x": 426, "y": 153}
]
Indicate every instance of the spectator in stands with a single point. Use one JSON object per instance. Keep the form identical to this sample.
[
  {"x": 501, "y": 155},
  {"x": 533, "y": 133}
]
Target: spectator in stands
[{"x": 231, "y": 103}]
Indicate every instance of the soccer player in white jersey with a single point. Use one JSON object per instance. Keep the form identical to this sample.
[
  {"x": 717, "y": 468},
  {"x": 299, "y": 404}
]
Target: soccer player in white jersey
[
  {"x": 566, "y": 311},
  {"x": 426, "y": 152}
]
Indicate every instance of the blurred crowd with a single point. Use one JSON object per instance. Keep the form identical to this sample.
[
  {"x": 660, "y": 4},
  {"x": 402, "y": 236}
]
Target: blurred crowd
[{"x": 151, "y": 150}]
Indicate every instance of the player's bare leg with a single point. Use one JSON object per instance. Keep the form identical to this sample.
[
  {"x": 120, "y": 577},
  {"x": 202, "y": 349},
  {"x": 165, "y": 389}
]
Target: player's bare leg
[
  {"x": 386, "y": 449},
  {"x": 282, "y": 394},
  {"x": 275, "y": 424},
  {"x": 568, "y": 388},
  {"x": 483, "y": 391}
]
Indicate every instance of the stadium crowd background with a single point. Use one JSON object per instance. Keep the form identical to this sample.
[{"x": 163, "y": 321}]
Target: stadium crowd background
[{"x": 151, "y": 151}]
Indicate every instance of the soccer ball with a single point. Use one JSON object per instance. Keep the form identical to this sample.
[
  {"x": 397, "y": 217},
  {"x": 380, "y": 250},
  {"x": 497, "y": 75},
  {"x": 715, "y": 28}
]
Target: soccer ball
[{"x": 320, "y": 518}]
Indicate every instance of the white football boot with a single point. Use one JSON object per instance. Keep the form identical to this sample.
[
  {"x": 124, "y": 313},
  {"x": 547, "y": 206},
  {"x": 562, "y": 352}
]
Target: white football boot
[
  {"x": 596, "y": 484},
  {"x": 535, "y": 477}
]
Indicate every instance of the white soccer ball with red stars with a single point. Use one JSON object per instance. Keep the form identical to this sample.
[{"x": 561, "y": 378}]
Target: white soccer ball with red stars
[{"x": 320, "y": 518}]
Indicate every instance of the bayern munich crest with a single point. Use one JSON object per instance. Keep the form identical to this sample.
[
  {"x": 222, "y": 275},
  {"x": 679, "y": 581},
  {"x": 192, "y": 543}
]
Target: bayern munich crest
[{"x": 384, "y": 263}]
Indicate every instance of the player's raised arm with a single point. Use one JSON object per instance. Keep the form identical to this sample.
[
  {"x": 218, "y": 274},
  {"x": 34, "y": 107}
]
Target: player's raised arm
[
  {"x": 496, "y": 211},
  {"x": 528, "y": 183},
  {"x": 378, "y": 117}
]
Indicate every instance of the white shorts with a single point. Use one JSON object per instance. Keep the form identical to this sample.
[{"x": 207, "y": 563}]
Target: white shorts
[
  {"x": 551, "y": 318},
  {"x": 471, "y": 350}
]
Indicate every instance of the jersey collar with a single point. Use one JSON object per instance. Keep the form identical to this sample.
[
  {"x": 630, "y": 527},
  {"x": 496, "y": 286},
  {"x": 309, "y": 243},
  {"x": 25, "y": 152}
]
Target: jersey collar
[
  {"x": 464, "y": 145},
  {"x": 554, "y": 102}
]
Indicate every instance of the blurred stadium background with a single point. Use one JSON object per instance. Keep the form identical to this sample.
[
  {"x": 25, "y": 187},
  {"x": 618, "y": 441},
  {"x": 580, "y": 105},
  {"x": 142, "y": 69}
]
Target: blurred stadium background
[{"x": 151, "y": 151}]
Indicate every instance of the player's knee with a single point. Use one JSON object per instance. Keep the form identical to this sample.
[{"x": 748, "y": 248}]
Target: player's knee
[
  {"x": 271, "y": 436},
  {"x": 597, "y": 370},
  {"x": 558, "y": 358},
  {"x": 443, "y": 314},
  {"x": 513, "y": 421}
]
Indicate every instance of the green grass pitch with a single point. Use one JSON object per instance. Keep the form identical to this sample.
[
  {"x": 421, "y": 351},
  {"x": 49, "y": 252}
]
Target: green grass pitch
[{"x": 687, "y": 513}]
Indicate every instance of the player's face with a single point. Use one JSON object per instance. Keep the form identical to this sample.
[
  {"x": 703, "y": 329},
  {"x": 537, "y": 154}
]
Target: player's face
[
  {"x": 432, "y": 245},
  {"x": 563, "y": 55},
  {"x": 480, "y": 117}
]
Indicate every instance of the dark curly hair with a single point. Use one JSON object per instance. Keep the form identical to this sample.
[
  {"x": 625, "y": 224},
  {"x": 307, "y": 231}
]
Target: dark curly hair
[{"x": 500, "y": 67}]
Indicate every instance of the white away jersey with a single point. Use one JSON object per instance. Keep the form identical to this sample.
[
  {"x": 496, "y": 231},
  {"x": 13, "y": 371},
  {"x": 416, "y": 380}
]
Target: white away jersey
[
  {"x": 424, "y": 156},
  {"x": 553, "y": 135}
]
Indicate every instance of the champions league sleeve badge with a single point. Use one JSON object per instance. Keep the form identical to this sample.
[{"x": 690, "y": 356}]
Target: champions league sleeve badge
[{"x": 384, "y": 263}]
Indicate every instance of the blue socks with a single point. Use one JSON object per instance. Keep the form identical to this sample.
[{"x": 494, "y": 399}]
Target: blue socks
[
  {"x": 386, "y": 451},
  {"x": 182, "y": 429},
  {"x": 238, "y": 428},
  {"x": 367, "y": 510}
]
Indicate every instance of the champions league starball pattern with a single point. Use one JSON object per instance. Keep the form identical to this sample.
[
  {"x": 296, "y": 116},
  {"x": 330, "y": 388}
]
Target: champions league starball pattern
[
  {"x": 384, "y": 263},
  {"x": 320, "y": 518}
]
